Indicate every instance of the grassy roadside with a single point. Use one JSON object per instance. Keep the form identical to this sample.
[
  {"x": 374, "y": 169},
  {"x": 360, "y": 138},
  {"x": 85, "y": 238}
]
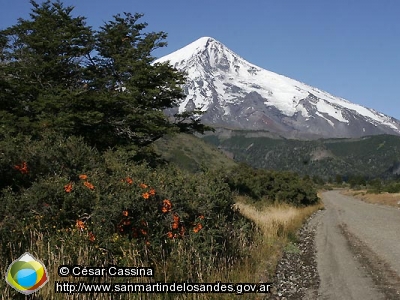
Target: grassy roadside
[
  {"x": 278, "y": 226},
  {"x": 390, "y": 199}
]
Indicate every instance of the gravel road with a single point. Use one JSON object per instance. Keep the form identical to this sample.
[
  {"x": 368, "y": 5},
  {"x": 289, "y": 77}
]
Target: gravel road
[
  {"x": 350, "y": 250},
  {"x": 358, "y": 249}
]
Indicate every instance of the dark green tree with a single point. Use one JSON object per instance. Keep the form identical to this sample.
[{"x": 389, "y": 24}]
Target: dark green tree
[
  {"x": 59, "y": 74},
  {"x": 42, "y": 68},
  {"x": 338, "y": 179}
]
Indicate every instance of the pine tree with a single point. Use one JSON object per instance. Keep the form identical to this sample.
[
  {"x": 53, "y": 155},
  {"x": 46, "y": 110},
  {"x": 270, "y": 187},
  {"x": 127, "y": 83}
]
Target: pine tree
[
  {"x": 133, "y": 90},
  {"x": 58, "y": 74},
  {"x": 42, "y": 67}
]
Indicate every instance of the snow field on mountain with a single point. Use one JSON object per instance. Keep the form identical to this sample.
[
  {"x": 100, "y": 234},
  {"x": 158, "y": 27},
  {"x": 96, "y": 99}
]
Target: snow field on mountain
[{"x": 216, "y": 72}]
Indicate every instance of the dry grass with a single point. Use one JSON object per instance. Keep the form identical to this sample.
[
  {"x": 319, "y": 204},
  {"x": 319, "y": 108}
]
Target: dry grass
[
  {"x": 277, "y": 225},
  {"x": 383, "y": 198}
]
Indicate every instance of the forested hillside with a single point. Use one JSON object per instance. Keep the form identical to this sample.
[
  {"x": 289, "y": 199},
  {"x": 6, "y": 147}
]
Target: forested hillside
[{"x": 370, "y": 157}]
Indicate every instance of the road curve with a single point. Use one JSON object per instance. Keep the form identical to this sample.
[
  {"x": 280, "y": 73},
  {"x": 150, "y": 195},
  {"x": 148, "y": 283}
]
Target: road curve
[{"x": 358, "y": 249}]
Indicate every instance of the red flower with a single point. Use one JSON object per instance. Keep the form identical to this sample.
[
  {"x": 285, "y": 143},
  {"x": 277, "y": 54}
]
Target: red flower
[
  {"x": 92, "y": 238},
  {"x": 166, "y": 206},
  {"x": 176, "y": 218},
  {"x": 80, "y": 224},
  {"x": 129, "y": 180},
  {"x": 89, "y": 185},
  {"x": 68, "y": 187},
  {"x": 23, "y": 168},
  {"x": 175, "y": 225},
  {"x": 197, "y": 228}
]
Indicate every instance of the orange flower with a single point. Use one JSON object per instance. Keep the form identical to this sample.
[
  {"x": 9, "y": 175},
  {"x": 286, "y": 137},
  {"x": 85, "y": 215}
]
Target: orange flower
[
  {"x": 143, "y": 186},
  {"x": 175, "y": 224},
  {"x": 176, "y": 218},
  {"x": 142, "y": 231},
  {"x": 80, "y": 224},
  {"x": 126, "y": 223},
  {"x": 125, "y": 213},
  {"x": 68, "y": 187},
  {"x": 23, "y": 168},
  {"x": 83, "y": 176},
  {"x": 146, "y": 195},
  {"x": 152, "y": 192},
  {"x": 92, "y": 238},
  {"x": 170, "y": 235},
  {"x": 147, "y": 243},
  {"x": 201, "y": 217},
  {"x": 197, "y": 228},
  {"x": 166, "y": 206},
  {"x": 89, "y": 185},
  {"x": 129, "y": 180}
]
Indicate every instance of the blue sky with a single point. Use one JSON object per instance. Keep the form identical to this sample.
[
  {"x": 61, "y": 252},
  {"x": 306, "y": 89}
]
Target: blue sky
[{"x": 348, "y": 48}]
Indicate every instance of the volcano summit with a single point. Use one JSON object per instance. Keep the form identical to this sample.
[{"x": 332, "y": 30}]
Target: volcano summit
[{"x": 237, "y": 94}]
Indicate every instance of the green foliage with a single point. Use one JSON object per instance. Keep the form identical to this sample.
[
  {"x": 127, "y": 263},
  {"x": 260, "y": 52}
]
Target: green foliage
[
  {"x": 356, "y": 181},
  {"x": 59, "y": 74},
  {"x": 42, "y": 68},
  {"x": 273, "y": 186},
  {"x": 367, "y": 157},
  {"x": 71, "y": 187},
  {"x": 191, "y": 153},
  {"x": 379, "y": 186}
]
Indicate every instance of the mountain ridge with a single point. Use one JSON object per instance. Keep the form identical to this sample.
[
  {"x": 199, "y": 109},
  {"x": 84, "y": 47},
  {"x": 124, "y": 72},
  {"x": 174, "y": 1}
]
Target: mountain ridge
[
  {"x": 375, "y": 156},
  {"x": 236, "y": 93}
]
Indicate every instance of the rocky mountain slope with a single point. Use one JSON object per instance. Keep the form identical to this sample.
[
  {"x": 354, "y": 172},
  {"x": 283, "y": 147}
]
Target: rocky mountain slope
[{"x": 237, "y": 94}]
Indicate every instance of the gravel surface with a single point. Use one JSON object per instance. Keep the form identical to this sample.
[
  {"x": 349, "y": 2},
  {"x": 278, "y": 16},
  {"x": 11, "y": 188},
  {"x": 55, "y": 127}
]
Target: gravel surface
[
  {"x": 296, "y": 274},
  {"x": 348, "y": 251},
  {"x": 357, "y": 249}
]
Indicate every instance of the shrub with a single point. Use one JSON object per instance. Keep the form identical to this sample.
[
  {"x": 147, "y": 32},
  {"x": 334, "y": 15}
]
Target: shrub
[
  {"x": 273, "y": 186},
  {"x": 116, "y": 204}
]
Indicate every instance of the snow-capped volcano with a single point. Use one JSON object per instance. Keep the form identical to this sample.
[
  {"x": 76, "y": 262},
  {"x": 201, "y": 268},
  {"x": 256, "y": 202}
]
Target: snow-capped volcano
[{"x": 238, "y": 94}]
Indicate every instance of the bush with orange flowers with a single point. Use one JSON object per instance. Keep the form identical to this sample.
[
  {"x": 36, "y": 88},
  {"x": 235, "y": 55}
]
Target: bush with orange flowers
[{"x": 111, "y": 203}]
